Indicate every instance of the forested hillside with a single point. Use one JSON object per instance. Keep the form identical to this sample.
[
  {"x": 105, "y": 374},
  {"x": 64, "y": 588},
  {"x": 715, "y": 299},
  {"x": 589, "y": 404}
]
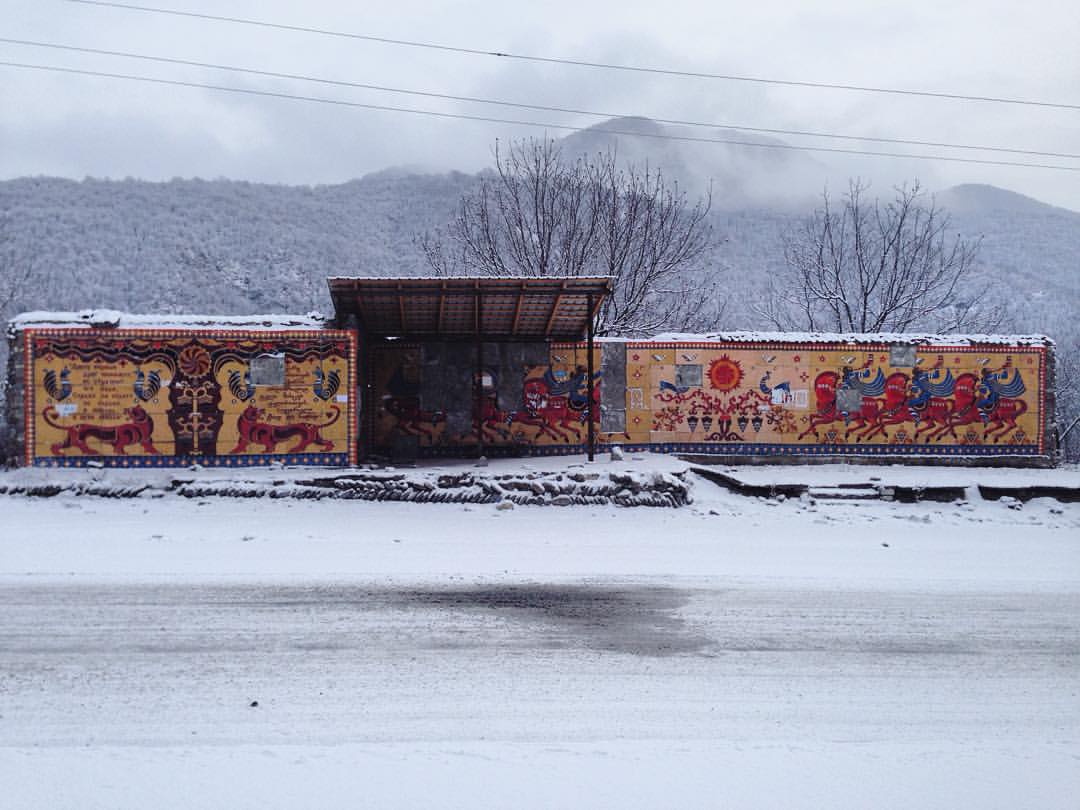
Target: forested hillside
[
  {"x": 233, "y": 247},
  {"x": 215, "y": 246}
]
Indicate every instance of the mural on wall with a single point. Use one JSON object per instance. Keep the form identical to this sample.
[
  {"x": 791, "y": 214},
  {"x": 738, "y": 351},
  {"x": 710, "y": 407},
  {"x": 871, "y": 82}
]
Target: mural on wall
[
  {"x": 553, "y": 407},
  {"x": 740, "y": 398},
  {"x": 549, "y": 408},
  {"x": 129, "y": 397},
  {"x": 825, "y": 398}
]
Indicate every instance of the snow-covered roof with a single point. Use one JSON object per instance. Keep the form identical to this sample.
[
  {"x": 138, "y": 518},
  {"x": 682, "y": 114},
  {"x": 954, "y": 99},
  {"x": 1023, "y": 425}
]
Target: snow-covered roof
[
  {"x": 918, "y": 339},
  {"x": 419, "y": 278},
  {"x": 107, "y": 318}
]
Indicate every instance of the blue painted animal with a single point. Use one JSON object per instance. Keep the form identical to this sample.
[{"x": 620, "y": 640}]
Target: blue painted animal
[
  {"x": 929, "y": 384},
  {"x": 575, "y": 387},
  {"x": 995, "y": 385},
  {"x": 765, "y": 389},
  {"x": 860, "y": 381}
]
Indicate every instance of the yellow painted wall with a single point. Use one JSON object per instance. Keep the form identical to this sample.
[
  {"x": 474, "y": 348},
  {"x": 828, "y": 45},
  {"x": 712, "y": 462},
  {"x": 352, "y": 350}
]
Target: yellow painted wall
[
  {"x": 789, "y": 394},
  {"x": 761, "y": 399},
  {"x": 159, "y": 398}
]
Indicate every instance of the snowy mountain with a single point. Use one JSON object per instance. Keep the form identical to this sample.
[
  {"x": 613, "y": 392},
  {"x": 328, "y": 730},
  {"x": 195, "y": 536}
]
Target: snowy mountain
[
  {"x": 225, "y": 246},
  {"x": 215, "y": 246},
  {"x": 234, "y": 247},
  {"x": 1029, "y": 254},
  {"x": 230, "y": 247},
  {"x": 743, "y": 169},
  {"x": 979, "y": 198}
]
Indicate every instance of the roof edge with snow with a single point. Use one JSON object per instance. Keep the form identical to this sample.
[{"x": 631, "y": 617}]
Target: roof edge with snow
[
  {"x": 855, "y": 338},
  {"x": 111, "y": 319}
]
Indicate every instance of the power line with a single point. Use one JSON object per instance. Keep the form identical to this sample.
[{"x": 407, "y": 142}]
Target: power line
[
  {"x": 579, "y": 62},
  {"x": 544, "y": 125},
  {"x": 519, "y": 105}
]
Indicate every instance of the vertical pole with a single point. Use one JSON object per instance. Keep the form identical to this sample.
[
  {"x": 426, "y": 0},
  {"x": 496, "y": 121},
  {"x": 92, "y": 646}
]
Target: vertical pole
[
  {"x": 592, "y": 383},
  {"x": 478, "y": 402}
]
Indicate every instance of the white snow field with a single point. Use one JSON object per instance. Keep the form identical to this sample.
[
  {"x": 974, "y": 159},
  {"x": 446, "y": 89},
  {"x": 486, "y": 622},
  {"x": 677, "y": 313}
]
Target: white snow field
[{"x": 736, "y": 653}]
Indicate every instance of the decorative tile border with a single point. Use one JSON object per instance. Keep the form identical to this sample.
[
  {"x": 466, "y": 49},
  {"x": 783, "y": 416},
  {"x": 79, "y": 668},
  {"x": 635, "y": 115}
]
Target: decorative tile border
[
  {"x": 738, "y": 449},
  {"x": 254, "y": 460}
]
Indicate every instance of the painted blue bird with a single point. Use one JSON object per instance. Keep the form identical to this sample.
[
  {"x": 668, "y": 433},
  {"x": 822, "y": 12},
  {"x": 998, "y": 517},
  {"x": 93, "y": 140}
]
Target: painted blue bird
[{"x": 678, "y": 389}]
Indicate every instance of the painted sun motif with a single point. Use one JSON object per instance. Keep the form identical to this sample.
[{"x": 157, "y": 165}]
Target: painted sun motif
[
  {"x": 194, "y": 361},
  {"x": 725, "y": 374}
]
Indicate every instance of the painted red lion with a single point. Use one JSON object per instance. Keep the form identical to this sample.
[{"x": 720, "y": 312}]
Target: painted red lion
[
  {"x": 255, "y": 431},
  {"x": 139, "y": 430}
]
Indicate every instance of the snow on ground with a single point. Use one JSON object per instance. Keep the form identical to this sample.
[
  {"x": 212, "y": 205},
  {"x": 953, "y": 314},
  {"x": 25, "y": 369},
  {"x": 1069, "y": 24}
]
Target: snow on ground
[
  {"x": 734, "y": 653},
  {"x": 905, "y": 475}
]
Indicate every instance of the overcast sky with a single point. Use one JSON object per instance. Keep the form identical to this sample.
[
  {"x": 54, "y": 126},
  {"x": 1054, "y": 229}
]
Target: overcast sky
[{"x": 78, "y": 126}]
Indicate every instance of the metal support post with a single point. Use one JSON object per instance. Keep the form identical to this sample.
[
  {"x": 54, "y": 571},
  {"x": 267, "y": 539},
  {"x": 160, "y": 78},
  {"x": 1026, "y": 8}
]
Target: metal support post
[
  {"x": 478, "y": 402},
  {"x": 592, "y": 382}
]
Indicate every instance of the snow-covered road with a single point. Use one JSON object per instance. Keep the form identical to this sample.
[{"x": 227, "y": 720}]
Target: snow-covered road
[{"x": 738, "y": 653}]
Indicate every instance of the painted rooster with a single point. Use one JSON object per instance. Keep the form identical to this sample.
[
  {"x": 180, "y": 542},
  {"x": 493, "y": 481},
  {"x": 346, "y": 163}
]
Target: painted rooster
[
  {"x": 58, "y": 390},
  {"x": 240, "y": 385},
  {"x": 326, "y": 385},
  {"x": 147, "y": 385}
]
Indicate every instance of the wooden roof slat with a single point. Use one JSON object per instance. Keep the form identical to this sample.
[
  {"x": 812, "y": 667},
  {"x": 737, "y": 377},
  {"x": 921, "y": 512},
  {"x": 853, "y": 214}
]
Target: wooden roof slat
[
  {"x": 442, "y": 310},
  {"x": 555, "y": 309},
  {"x": 492, "y": 308}
]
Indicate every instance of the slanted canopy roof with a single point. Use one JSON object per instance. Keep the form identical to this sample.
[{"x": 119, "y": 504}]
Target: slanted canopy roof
[{"x": 495, "y": 308}]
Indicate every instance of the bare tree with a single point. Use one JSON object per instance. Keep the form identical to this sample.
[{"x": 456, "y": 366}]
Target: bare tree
[
  {"x": 650, "y": 239},
  {"x": 535, "y": 216},
  {"x": 878, "y": 267},
  {"x": 539, "y": 215}
]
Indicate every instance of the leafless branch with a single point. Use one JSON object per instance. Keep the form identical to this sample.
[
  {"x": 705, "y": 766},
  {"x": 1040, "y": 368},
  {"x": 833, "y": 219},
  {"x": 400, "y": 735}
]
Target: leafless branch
[
  {"x": 539, "y": 214},
  {"x": 875, "y": 266}
]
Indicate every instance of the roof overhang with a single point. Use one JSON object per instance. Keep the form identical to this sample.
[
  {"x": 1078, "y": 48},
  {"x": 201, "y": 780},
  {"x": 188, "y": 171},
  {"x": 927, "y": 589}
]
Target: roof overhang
[{"x": 491, "y": 308}]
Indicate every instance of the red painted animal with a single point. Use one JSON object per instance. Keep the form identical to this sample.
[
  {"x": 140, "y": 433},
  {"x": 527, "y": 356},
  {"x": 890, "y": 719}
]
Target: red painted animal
[
  {"x": 1002, "y": 416},
  {"x": 551, "y": 414},
  {"x": 942, "y": 416},
  {"x": 255, "y": 431},
  {"x": 997, "y": 414},
  {"x": 411, "y": 419},
  {"x": 825, "y": 393},
  {"x": 553, "y": 410},
  {"x": 878, "y": 414},
  {"x": 139, "y": 430}
]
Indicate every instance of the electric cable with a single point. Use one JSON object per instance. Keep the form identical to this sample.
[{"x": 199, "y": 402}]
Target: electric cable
[
  {"x": 524, "y": 106},
  {"x": 544, "y": 125},
  {"x": 577, "y": 62}
]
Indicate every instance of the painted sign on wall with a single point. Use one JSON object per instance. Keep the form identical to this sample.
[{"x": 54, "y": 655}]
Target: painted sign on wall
[{"x": 133, "y": 397}]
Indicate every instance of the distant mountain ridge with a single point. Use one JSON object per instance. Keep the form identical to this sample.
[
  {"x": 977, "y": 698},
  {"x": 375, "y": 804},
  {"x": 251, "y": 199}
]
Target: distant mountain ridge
[
  {"x": 742, "y": 169},
  {"x": 983, "y": 198}
]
